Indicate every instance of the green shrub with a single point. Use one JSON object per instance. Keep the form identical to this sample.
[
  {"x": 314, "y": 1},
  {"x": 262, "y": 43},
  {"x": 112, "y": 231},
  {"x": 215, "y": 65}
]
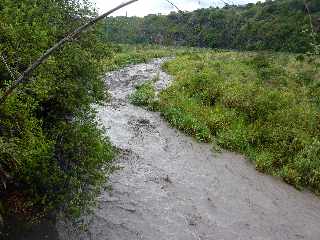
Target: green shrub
[
  {"x": 52, "y": 154},
  {"x": 252, "y": 103},
  {"x": 144, "y": 95}
]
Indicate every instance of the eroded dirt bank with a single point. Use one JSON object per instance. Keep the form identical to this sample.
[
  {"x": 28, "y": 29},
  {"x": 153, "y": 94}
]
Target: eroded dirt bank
[{"x": 173, "y": 188}]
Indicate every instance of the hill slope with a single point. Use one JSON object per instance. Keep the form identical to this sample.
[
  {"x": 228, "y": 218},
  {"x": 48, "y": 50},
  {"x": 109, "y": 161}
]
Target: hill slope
[{"x": 281, "y": 25}]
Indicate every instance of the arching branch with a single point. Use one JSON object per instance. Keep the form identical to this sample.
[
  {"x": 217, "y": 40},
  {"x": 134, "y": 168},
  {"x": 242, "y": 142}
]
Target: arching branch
[
  {"x": 26, "y": 74},
  {"x": 175, "y": 6},
  {"x": 306, "y": 5}
]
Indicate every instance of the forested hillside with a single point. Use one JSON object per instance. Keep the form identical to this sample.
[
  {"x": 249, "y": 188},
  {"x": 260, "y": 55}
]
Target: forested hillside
[{"x": 280, "y": 25}]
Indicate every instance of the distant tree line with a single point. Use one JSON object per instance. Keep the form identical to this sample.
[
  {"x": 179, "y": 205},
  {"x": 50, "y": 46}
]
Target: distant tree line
[{"x": 281, "y": 25}]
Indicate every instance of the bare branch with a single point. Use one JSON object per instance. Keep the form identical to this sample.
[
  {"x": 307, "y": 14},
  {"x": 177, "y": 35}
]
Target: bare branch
[
  {"x": 175, "y": 6},
  {"x": 306, "y": 5},
  {"x": 225, "y": 3},
  {"x": 26, "y": 74}
]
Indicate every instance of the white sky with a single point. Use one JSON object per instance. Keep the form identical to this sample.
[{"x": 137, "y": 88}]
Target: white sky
[{"x": 145, "y": 7}]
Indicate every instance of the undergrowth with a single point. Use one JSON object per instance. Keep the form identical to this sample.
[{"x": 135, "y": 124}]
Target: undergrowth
[
  {"x": 144, "y": 95},
  {"x": 265, "y": 106}
]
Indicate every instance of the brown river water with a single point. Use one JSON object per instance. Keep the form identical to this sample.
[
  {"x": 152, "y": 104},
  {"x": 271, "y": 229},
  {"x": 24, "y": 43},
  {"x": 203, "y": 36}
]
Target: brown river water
[{"x": 171, "y": 187}]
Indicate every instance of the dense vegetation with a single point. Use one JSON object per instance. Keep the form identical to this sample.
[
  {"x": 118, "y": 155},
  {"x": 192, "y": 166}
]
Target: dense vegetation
[
  {"x": 266, "y": 106},
  {"x": 280, "y": 25},
  {"x": 52, "y": 154}
]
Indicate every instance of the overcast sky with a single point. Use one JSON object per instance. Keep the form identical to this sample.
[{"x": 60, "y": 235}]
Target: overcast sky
[{"x": 145, "y": 7}]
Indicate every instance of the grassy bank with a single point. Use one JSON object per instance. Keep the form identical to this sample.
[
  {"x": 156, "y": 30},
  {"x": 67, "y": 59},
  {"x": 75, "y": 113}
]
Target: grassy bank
[
  {"x": 262, "y": 105},
  {"x": 134, "y": 54}
]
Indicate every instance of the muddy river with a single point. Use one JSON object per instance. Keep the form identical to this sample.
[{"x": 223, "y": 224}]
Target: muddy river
[{"x": 171, "y": 187}]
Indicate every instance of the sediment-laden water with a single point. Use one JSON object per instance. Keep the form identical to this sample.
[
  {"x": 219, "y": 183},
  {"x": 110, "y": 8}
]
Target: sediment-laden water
[{"x": 172, "y": 188}]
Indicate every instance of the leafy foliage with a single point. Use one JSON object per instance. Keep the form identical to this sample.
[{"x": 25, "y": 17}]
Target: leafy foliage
[{"x": 52, "y": 154}]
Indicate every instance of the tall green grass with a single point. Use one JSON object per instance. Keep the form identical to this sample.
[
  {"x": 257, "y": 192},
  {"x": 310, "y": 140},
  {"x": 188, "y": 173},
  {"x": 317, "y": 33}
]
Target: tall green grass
[
  {"x": 134, "y": 54},
  {"x": 265, "y": 106}
]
